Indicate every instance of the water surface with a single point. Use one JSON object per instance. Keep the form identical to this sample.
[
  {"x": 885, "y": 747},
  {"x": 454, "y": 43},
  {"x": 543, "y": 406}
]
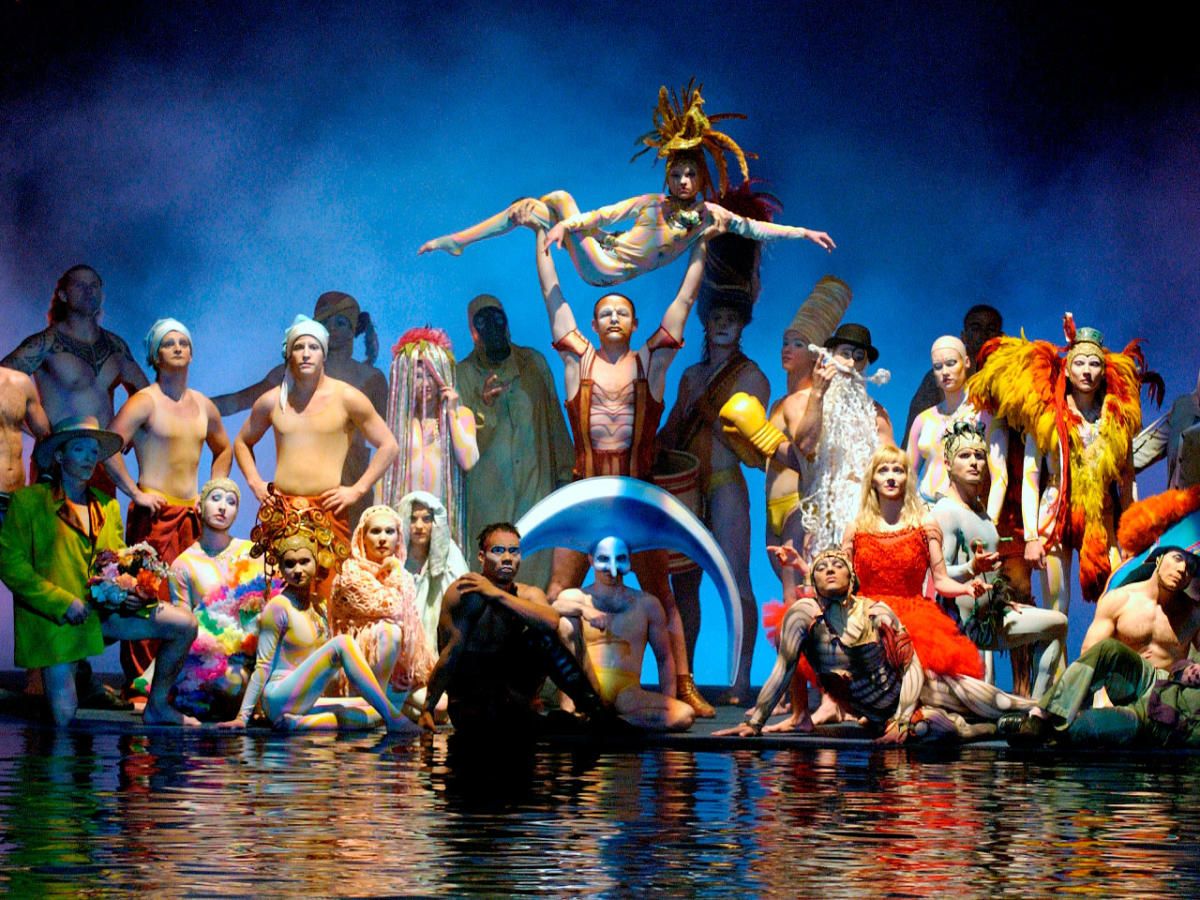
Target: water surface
[{"x": 234, "y": 814}]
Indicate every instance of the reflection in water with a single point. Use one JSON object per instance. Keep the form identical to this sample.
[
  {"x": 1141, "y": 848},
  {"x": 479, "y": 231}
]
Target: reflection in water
[{"x": 232, "y": 814}]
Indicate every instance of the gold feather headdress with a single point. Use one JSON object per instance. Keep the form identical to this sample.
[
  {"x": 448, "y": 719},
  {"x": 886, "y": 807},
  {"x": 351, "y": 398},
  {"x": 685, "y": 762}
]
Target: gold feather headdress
[{"x": 680, "y": 124}]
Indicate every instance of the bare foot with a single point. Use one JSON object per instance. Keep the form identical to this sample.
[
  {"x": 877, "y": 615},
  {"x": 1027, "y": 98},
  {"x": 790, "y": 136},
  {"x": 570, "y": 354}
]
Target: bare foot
[
  {"x": 828, "y": 712},
  {"x": 446, "y": 243},
  {"x": 782, "y": 708},
  {"x": 168, "y": 715},
  {"x": 801, "y": 723}
]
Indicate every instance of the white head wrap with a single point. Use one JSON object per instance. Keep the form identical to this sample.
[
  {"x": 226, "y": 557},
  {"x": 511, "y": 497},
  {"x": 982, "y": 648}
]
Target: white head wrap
[
  {"x": 439, "y": 539},
  {"x": 302, "y": 326},
  {"x": 158, "y": 331}
]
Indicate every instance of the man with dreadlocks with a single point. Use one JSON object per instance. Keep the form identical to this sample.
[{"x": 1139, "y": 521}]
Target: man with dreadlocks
[
  {"x": 865, "y": 659},
  {"x": 665, "y": 225},
  {"x": 313, "y": 417},
  {"x": 727, "y": 296},
  {"x": 436, "y": 433},
  {"x": 1078, "y": 407}
]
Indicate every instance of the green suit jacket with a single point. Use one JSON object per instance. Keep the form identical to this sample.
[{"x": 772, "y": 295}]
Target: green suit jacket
[{"x": 45, "y": 560}]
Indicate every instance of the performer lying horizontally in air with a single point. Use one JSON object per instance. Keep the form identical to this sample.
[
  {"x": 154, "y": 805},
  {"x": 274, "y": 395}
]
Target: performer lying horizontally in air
[{"x": 665, "y": 225}]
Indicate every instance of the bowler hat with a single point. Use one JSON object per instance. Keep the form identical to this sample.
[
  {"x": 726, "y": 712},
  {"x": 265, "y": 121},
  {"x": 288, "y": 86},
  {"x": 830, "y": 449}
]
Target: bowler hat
[{"x": 856, "y": 335}]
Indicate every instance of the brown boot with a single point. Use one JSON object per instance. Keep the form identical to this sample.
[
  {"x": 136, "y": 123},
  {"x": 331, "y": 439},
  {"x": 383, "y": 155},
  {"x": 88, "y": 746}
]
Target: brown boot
[{"x": 686, "y": 691}]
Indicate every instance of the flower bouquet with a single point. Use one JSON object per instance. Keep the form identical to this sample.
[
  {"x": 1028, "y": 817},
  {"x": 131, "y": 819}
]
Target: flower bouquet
[{"x": 127, "y": 581}]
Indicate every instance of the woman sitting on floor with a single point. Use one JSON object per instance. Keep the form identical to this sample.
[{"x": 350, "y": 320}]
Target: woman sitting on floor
[
  {"x": 373, "y": 594},
  {"x": 296, "y": 657}
]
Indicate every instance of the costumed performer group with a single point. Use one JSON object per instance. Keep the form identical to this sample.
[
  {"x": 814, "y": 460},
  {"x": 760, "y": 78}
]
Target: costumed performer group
[{"x": 897, "y": 568}]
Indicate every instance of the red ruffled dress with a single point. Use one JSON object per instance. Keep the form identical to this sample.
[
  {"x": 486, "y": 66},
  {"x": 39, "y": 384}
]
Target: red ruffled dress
[{"x": 891, "y": 568}]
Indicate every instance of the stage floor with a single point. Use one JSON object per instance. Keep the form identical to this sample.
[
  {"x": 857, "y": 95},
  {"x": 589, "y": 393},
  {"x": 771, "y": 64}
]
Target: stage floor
[{"x": 16, "y": 709}]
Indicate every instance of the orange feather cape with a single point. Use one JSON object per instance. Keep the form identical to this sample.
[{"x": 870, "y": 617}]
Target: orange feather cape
[
  {"x": 1145, "y": 521},
  {"x": 1025, "y": 382}
]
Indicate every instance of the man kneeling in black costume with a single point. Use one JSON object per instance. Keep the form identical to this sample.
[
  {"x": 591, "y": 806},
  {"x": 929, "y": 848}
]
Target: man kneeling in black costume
[{"x": 498, "y": 641}]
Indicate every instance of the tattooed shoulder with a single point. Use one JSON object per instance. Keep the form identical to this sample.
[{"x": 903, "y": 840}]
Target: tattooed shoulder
[{"x": 30, "y": 353}]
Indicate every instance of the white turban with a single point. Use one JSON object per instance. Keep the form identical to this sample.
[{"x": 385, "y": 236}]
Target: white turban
[
  {"x": 158, "y": 331},
  {"x": 302, "y": 326}
]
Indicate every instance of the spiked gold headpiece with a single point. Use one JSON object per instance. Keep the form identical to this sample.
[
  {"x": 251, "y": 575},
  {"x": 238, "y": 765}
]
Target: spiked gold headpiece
[
  {"x": 680, "y": 125},
  {"x": 962, "y": 434}
]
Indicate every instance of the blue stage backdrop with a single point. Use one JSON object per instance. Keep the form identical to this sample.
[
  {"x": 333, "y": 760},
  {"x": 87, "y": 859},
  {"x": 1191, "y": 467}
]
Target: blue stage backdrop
[{"x": 226, "y": 167}]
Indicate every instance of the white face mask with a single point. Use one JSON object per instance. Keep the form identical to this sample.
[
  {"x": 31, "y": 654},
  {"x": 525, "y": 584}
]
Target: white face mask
[{"x": 611, "y": 556}]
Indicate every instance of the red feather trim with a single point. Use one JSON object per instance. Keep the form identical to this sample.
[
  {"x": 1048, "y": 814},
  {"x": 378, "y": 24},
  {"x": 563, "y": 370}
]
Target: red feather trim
[
  {"x": 434, "y": 336},
  {"x": 940, "y": 646},
  {"x": 749, "y": 203},
  {"x": 1069, "y": 328},
  {"x": 1145, "y": 521},
  {"x": 1094, "y": 563},
  {"x": 986, "y": 350},
  {"x": 772, "y": 618}
]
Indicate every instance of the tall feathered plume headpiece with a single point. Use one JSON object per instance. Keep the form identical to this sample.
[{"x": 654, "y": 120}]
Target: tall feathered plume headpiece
[{"x": 680, "y": 124}]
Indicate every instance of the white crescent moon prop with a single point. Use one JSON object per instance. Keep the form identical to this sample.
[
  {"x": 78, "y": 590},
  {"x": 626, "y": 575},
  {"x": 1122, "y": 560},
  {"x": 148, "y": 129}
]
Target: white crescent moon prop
[{"x": 645, "y": 517}]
